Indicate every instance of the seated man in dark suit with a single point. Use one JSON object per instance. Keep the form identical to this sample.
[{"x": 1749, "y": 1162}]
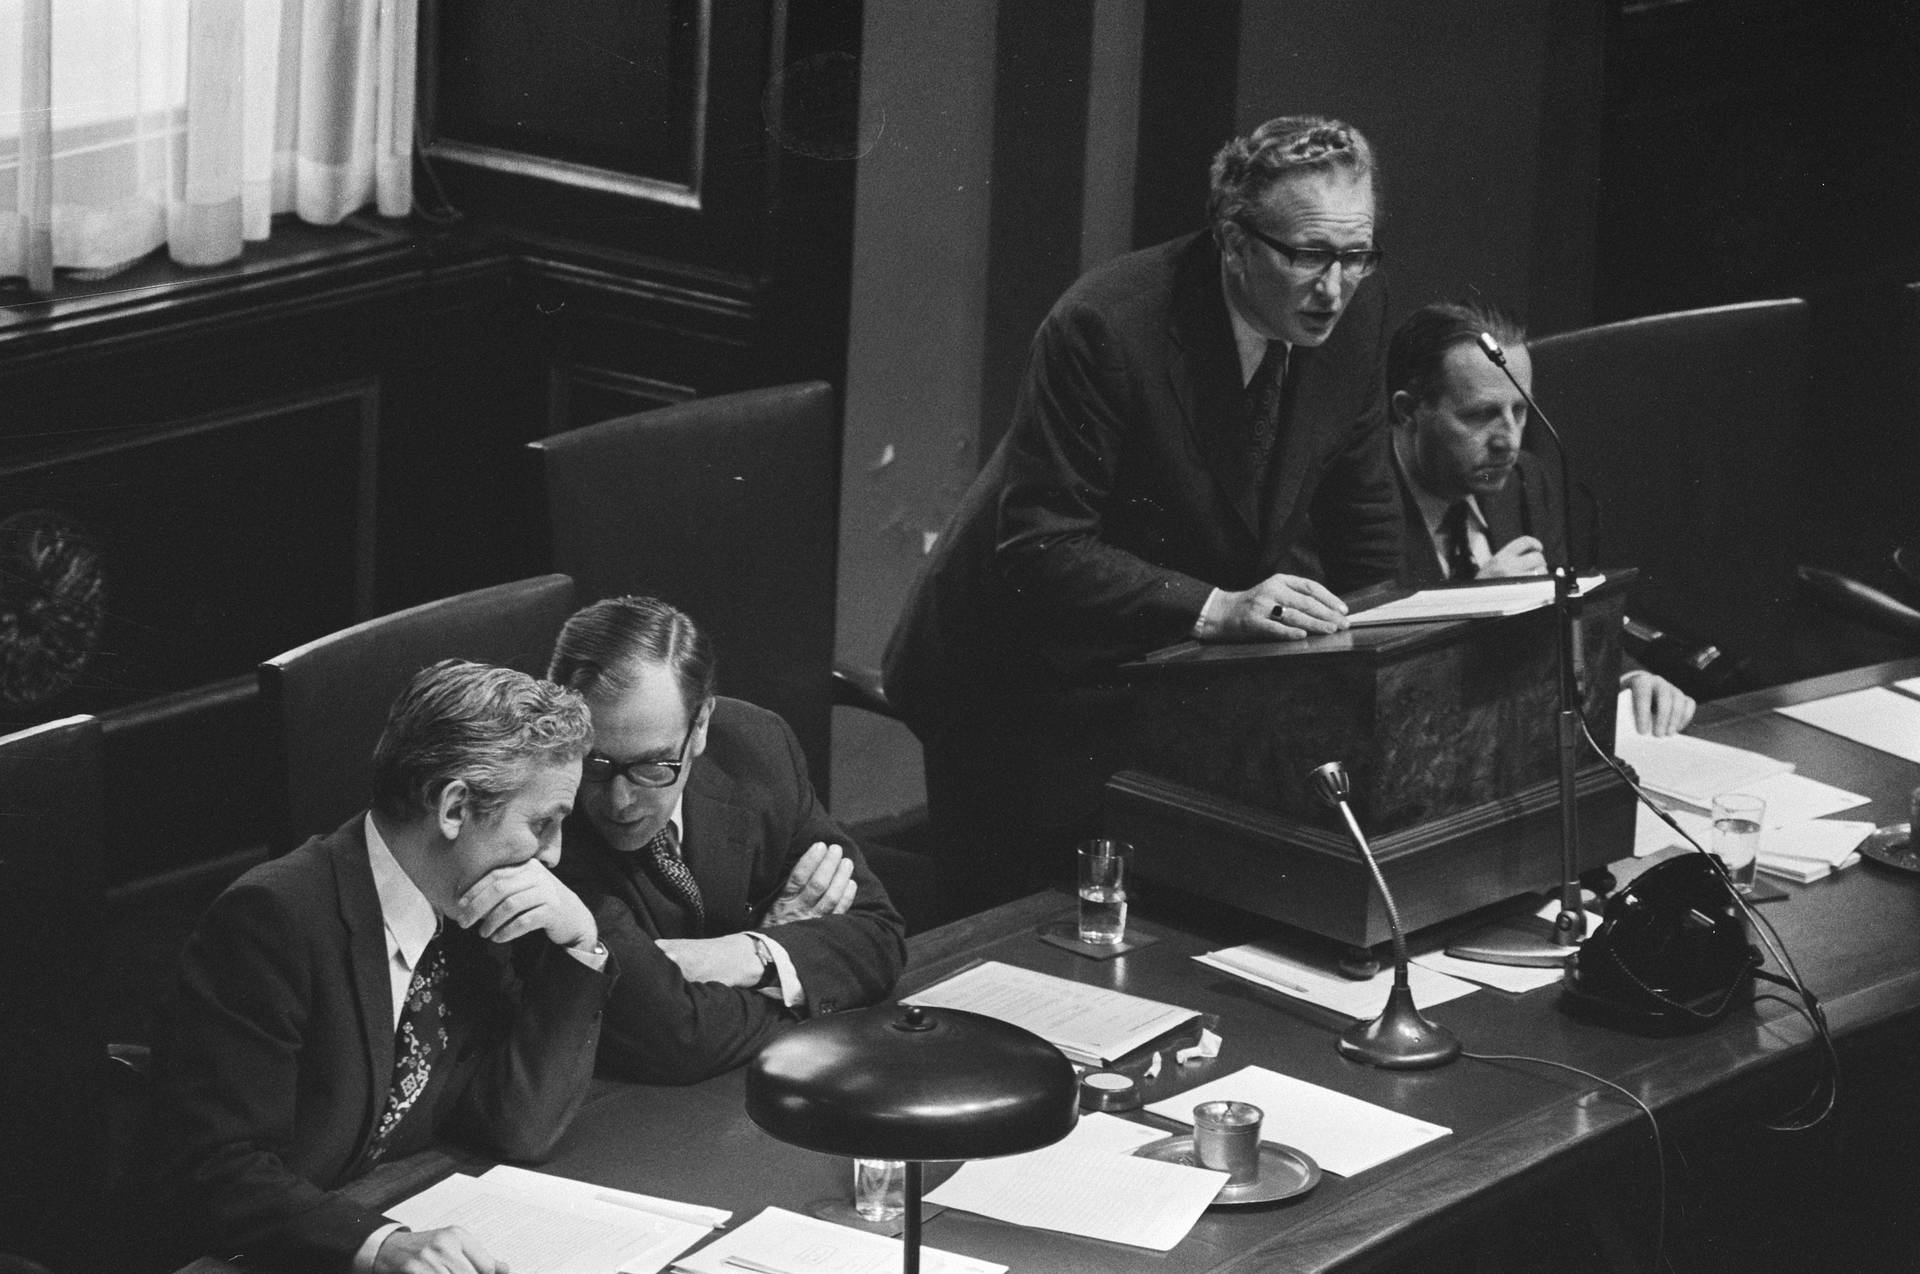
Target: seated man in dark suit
[
  {"x": 732, "y": 900},
  {"x": 1476, "y": 505},
  {"x": 1198, "y": 451},
  {"x": 356, "y": 999}
]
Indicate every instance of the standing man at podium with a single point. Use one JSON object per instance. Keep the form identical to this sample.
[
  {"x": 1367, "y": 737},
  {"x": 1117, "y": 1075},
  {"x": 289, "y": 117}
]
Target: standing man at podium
[
  {"x": 1198, "y": 451},
  {"x": 1476, "y": 505}
]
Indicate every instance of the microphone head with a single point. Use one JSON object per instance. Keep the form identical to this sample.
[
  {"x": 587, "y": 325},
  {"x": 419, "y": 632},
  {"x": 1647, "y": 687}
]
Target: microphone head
[
  {"x": 1491, "y": 348},
  {"x": 1330, "y": 783}
]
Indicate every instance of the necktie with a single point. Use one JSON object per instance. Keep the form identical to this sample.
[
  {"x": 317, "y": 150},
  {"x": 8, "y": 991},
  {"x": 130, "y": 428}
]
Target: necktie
[
  {"x": 671, "y": 873},
  {"x": 1263, "y": 410},
  {"x": 417, "y": 1043},
  {"x": 1460, "y": 563}
]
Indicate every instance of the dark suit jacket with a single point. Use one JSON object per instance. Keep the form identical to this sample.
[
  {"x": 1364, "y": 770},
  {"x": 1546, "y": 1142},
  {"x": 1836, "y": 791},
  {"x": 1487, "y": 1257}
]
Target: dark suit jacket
[
  {"x": 749, "y": 812},
  {"x": 1528, "y": 505},
  {"x": 1119, "y": 498},
  {"x": 273, "y": 1059}
]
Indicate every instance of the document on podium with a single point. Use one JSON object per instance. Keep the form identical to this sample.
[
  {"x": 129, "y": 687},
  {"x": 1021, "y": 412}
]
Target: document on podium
[
  {"x": 1476, "y": 601},
  {"x": 1090, "y": 1185},
  {"x": 1090, "y": 1024},
  {"x": 550, "y": 1231}
]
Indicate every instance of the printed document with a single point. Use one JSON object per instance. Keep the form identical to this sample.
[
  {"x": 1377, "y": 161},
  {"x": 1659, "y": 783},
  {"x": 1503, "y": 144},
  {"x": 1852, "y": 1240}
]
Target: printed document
[
  {"x": 546, "y": 1232},
  {"x": 782, "y": 1242},
  {"x": 1090, "y": 1024}
]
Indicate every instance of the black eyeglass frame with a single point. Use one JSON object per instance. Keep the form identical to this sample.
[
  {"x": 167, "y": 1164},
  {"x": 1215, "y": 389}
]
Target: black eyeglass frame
[
  {"x": 1355, "y": 263},
  {"x": 601, "y": 769}
]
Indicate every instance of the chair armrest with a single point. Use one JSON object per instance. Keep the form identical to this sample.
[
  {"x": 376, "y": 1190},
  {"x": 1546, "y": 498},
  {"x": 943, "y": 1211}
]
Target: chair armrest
[
  {"x": 1846, "y": 596},
  {"x": 861, "y": 688}
]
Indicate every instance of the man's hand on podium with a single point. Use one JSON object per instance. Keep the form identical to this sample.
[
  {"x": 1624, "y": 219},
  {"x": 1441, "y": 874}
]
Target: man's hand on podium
[{"x": 1278, "y": 608}]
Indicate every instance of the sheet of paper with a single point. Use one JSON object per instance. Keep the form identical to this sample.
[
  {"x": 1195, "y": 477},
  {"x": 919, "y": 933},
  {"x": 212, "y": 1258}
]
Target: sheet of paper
[
  {"x": 1343, "y": 1134},
  {"x": 544, "y": 1236},
  {"x": 782, "y": 1242},
  {"x": 1794, "y": 798},
  {"x": 1502, "y": 977},
  {"x": 1088, "y": 1023},
  {"x": 567, "y": 1190},
  {"x": 1829, "y": 841},
  {"x": 1329, "y": 988},
  {"x": 1650, "y": 835},
  {"x": 1910, "y": 684},
  {"x": 1877, "y": 717},
  {"x": 1089, "y": 1185},
  {"x": 1692, "y": 770},
  {"x": 1480, "y": 602}
]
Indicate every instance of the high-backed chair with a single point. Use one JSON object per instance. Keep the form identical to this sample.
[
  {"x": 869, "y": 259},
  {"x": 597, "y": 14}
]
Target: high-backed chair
[
  {"x": 1691, "y": 431},
  {"x": 729, "y": 508},
  {"x": 325, "y": 702},
  {"x": 54, "y": 1070}
]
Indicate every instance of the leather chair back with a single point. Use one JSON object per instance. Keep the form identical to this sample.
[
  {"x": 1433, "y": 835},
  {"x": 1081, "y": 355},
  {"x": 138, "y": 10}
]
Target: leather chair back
[
  {"x": 728, "y": 507},
  {"x": 53, "y": 1048},
  {"x": 326, "y": 702},
  {"x": 1691, "y": 431}
]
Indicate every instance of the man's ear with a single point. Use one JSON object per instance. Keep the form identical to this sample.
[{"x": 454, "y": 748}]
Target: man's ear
[
  {"x": 453, "y": 808},
  {"x": 1401, "y": 406},
  {"x": 1232, "y": 240},
  {"x": 699, "y": 742}
]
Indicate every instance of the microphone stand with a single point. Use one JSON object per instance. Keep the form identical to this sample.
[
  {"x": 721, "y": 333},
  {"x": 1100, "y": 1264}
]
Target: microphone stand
[
  {"x": 1526, "y": 940},
  {"x": 1400, "y": 1038}
]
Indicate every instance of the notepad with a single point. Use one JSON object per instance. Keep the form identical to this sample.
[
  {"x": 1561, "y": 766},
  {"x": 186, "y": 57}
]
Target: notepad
[{"x": 1091, "y": 1025}]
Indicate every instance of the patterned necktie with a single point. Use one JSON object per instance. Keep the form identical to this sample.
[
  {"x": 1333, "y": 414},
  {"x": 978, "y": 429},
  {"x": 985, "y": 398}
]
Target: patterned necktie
[
  {"x": 417, "y": 1044},
  {"x": 1460, "y": 563},
  {"x": 671, "y": 873},
  {"x": 1263, "y": 410}
]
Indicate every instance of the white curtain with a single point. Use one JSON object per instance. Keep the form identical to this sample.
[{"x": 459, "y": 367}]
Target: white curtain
[{"x": 127, "y": 124}]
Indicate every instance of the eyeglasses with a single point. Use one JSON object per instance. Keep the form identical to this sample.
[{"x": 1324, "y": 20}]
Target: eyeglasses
[
  {"x": 600, "y": 769},
  {"x": 1355, "y": 263}
]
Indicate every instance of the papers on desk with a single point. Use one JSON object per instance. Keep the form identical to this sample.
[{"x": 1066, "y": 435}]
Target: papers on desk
[
  {"x": 1090, "y": 1024},
  {"x": 1691, "y": 770},
  {"x": 1877, "y": 717},
  {"x": 1343, "y": 1134},
  {"x": 1277, "y": 971},
  {"x": 538, "y": 1224},
  {"x": 1804, "y": 850},
  {"x": 1089, "y": 1185},
  {"x": 782, "y": 1242},
  {"x": 1482, "y": 601}
]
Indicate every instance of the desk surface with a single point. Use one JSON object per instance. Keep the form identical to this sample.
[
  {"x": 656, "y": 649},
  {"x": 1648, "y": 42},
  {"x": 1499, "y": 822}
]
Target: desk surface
[{"x": 1855, "y": 937}]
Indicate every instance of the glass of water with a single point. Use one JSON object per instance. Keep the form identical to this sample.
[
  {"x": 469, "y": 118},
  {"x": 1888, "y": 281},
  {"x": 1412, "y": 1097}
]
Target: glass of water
[
  {"x": 1737, "y": 819},
  {"x": 1103, "y": 891}
]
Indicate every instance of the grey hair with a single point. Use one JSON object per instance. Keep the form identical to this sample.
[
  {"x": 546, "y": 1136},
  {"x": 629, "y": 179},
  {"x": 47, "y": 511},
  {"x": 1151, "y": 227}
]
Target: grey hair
[{"x": 1246, "y": 169}]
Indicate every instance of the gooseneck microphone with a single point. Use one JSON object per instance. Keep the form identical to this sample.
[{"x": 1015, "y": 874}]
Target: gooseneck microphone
[
  {"x": 1491, "y": 348},
  {"x": 1400, "y": 1038}
]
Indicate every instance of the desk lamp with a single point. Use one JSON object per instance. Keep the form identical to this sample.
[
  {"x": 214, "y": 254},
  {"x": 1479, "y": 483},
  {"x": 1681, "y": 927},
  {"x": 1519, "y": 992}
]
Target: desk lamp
[{"x": 914, "y": 1084}]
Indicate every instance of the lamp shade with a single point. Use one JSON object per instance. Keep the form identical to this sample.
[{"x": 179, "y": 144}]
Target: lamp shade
[{"x": 912, "y": 1083}]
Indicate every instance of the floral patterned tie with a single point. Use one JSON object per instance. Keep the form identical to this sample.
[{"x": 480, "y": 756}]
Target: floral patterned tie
[{"x": 417, "y": 1044}]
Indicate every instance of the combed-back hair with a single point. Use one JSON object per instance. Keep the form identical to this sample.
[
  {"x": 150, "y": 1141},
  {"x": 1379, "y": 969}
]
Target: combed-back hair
[
  {"x": 487, "y": 727},
  {"x": 1419, "y": 345},
  {"x": 1246, "y": 168},
  {"x": 603, "y": 648}
]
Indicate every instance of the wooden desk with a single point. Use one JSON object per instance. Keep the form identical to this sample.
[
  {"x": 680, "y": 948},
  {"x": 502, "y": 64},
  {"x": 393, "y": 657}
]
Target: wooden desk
[{"x": 1517, "y": 1128}]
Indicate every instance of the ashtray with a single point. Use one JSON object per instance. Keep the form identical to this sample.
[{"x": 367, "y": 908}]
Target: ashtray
[
  {"x": 1284, "y": 1172},
  {"x": 1892, "y": 845}
]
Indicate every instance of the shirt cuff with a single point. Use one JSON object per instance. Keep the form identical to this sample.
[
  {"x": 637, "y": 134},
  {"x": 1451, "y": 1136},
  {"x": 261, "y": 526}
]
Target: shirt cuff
[
  {"x": 363, "y": 1259},
  {"x": 788, "y": 990},
  {"x": 1209, "y": 618},
  {"x": 594, "y": 957}
]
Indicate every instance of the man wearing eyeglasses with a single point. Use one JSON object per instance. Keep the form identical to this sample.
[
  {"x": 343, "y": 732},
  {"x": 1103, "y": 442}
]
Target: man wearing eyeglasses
[
  {"x": 1199, "y": 450},
  {"x": 732, "y": 900}
]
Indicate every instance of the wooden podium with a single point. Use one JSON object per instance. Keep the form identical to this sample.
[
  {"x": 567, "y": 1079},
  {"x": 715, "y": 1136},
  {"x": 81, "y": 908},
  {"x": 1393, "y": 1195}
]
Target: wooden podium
[{"x": 1447, "y": 730}]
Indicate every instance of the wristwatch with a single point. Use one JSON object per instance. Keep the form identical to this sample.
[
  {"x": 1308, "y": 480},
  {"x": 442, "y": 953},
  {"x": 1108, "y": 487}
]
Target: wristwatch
[{"x": 769, "y": 971}]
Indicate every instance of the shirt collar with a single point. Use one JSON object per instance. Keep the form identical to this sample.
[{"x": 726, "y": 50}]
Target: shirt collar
[
  {"x": 1248, "y": 340},
  {"x": 410, "y": 919}
]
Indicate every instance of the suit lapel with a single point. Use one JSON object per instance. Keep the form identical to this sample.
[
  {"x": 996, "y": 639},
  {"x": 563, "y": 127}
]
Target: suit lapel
[
  {"x": 1203, "y": 370},
  {"x": 367, "y": 959},
  {"x": 717, "y": 829},
  {"x": 1419, "y": 565}
]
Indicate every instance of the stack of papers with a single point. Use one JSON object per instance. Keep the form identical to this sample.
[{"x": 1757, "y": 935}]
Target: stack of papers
[
  {"x": 541, "y": 1224},
  {"x": 1289, "y": 975},
  {"x": 1689, "y": 770},
  {"x": 1482, "y": 601},
  {"x": 1089, "y": 1185},
  {"x": 1090, "y": 1024},
  {"x": 782, "y": 1242},
  {"x": 1342, "y": 1134}
]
